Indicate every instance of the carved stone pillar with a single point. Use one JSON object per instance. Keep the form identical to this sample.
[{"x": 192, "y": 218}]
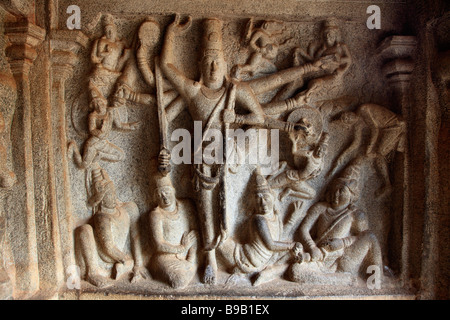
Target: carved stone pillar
[
  {"x": 24, "y": 37},
  {"x": 65, "y": 45},
  {"x": 397, "y": 54}
]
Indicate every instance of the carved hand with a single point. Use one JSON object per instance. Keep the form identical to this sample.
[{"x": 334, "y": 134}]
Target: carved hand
[
  {"x": 298, "y": 205},
  {"x": 176, "y": 28},
  {"x": 334, "y": 244},
  {"x": 316, "y": 254},
  {"x": 188, "y": 239},
  {"x": 229, "y": 116}
]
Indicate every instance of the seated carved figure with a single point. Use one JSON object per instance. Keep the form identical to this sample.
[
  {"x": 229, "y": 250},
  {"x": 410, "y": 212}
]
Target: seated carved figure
[
  {"x": 172, "y": 225},
  {"x": 264, "y": 254},
  {"x": 106, "y": 238},
  {"x": 342, "y": 240}
]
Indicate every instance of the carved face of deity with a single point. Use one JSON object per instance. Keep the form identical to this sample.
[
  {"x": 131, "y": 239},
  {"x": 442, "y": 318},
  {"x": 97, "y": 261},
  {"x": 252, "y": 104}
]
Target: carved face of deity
[
  {"x": 265, "y": 202},
  {"x": 166, "y": 197},
  {"x": 214, "y": 69},
  {"x": 340, "y": 197}
]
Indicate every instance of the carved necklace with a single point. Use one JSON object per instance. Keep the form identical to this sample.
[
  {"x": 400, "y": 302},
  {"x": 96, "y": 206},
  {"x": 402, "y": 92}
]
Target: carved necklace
[{"x": 212, "y": 94}]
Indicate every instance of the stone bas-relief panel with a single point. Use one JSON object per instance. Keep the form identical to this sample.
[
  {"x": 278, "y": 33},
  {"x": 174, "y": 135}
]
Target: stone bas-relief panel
[{"x": 147, "y": 222}]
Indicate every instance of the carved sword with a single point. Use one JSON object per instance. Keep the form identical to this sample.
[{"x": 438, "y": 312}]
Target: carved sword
[
  {"x": 164, "y": 153},
  {"x": 230, "y": 106}
]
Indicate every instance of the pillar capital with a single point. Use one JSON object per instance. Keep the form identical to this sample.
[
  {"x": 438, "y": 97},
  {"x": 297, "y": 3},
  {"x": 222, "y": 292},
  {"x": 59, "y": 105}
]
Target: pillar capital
[
  {"x": 23, "y": 37},
  {"x": 65, "y": 45}
]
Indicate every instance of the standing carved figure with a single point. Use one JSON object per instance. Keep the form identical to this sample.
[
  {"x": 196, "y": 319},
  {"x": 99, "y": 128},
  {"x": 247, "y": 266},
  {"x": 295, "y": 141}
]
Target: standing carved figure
[
  {"x": 387, "y": 133},
  {"x": 336, "y": 233},
  {"x": 114, "y": 222},
  {"x": 172, "y": 226},
  {"x": 109, "y": 55}
]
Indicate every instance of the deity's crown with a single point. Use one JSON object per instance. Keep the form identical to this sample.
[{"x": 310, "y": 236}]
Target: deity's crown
[
  {"x": 350, "y": 177},
  {"x": 330, "y": 23},
  {"x": 212, "y": 38},
  {"x": 163, "y": 181}
]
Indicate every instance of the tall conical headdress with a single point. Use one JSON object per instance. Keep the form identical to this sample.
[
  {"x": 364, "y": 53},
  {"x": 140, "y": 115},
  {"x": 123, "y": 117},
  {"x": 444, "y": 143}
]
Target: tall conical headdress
[
  {"x": 163, "y": 181},
  {"x": 212, "y": 37},
  {"x": 350, "y": 177}
]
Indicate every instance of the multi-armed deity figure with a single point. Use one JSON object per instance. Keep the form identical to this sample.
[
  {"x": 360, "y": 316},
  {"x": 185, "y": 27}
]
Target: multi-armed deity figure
[
  {"x": 336, "y": 233},
  {"x": 211, "y": 100},
  {"x": 173, "y": 230},
  {"x": 113, "y": 224}
]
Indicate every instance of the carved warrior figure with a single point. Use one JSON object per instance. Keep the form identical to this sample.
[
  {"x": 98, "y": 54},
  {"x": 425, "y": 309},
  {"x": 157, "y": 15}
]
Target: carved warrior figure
[
  {"x": 265, "y": 254},
  {"x": 97, "y": 147},
  {"x": 212, "y": 100},
  {"x": 308, "y": 163},
  {"x": 332, "y": 48},
  {"x": 172, "y": 226},
  {"x": 386, "y": 134},
  {"x": 264, "y": 44},
  {"x": 113, "y": 223},
  {"x": 336, "y": 233}
]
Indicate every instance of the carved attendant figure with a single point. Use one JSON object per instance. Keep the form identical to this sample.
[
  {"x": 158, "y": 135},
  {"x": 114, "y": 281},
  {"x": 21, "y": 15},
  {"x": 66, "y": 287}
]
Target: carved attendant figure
[
  {"x": 97, "y": 147},
  {"x": 331, "y": 48},
  {"x": 264, "y": 45},
  {"x": 172, "y": 226},
  {"x": 107, "y": 237},
  {"x": 342, "y": 240},
  {"x": 109, "y": 56},
  {"x": 309, "y": 164},
  {"x": 264, "y": 247}
]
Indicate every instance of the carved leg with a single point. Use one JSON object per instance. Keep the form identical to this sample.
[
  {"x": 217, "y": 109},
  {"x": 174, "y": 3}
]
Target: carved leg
[
  {"x": 366, "y": 249},
  {"x": 383, "y": 170},
  {"x": 206, "y": 211},
  {"x": 88, "y": 248}
]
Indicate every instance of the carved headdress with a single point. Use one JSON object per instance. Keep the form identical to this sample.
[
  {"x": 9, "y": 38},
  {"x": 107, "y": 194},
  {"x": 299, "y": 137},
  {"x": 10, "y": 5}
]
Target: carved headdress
[
  {"x": 109, "y": 20},
  {"x": 350, "y": 178},
  {"x": 163, "y": 181},
  {"x": 262, "y": 186},
  {"x": 212, "y": 37}
]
